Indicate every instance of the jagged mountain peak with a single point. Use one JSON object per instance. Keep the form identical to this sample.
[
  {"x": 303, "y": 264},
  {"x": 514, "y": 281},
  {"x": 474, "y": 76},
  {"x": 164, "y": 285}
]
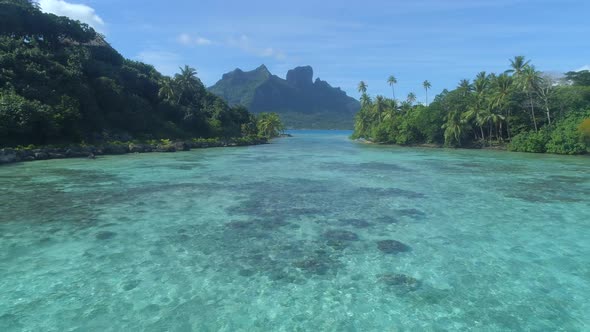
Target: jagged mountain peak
[{"x": 301, "y": 101}]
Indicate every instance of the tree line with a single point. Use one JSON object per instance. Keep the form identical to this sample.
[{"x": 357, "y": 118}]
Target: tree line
[
  {"x": 60, "y": 82},
  {"x": 523, "y": 108}
]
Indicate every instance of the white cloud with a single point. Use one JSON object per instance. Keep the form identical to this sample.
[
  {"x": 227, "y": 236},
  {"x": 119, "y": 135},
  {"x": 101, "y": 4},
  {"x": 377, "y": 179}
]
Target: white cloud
[
  {"x": 586, "y": 67},
  {"x": 247, "y": 46},
  {"x": 187, "y": 40},
  {"x": 74, "y": 11},
  {"x": 202, "y": 41},
  {"x": 165, "y": 62}
]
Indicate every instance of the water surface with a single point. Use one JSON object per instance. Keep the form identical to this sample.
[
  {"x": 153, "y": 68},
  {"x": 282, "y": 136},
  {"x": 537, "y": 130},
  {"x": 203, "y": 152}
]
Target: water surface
[{"x": 309, "y": 233}]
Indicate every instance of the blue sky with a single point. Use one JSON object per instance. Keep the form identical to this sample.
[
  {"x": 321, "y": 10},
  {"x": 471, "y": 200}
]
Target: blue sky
[{"x": 345, "y": 42}]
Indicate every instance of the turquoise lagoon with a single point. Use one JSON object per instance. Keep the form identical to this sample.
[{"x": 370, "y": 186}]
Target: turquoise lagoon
[{"x": 296, "y": 236}]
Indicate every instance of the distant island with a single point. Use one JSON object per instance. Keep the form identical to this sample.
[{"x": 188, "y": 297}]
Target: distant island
[
  {"x": 61, "y": 83},
  {"x": 521, "y": 109},
  {"x": 301, "y": 102}
]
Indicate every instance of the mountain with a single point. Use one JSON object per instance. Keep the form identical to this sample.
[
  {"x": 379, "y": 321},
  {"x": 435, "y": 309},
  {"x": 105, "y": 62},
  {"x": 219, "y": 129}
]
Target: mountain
[{"x": 299, "y": 100}]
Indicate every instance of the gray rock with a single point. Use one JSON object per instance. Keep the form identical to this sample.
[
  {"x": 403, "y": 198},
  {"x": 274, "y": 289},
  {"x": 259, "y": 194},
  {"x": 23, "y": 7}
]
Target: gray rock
[
  {"x": 166, "y": 148},
  {"x": 41, "y": 155},
  {"x": 137, "y": 148},
  {"x": 7, "y": 156},
  {"x": 116, "y": 149},
  {"x": 181, "y": 146},
  {"x": 56, "y": 155}
]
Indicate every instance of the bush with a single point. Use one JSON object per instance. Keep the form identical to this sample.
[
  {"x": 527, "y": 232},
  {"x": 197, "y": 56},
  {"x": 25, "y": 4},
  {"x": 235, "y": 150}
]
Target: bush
[
  {"x": 567, "y": 137},
  {"x": 530, "y": 141},
  {"x": 381, "y": 134}
]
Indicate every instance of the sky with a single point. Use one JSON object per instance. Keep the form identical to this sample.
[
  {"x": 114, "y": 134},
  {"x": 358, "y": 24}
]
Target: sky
[{"x": 345, "y": 42}]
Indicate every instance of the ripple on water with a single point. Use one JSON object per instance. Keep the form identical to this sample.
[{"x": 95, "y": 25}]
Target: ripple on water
[{"x": 297, "y": 236}]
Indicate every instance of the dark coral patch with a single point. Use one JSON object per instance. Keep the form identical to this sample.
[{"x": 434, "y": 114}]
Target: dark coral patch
[
  {"x": 105, "y": 235},
  {"x": 392, "y": 246},
  {"x": 340, "y": 235},
  {"x": 412, "y": 213},
  {"x": 131, "y": 284},
  {"x": 339, "y": 239},
  {"x": 357, "y": 223},
  {"x": 400, "y": 281}
]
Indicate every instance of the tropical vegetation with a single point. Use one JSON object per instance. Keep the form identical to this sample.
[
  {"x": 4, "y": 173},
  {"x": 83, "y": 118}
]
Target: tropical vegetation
[
  {"x": 61, "y": 82},
  {"x": 522, "y": 109}
]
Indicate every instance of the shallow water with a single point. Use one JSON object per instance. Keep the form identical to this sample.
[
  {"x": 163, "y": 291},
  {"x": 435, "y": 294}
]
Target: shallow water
[{"x": 310, "y": 233}]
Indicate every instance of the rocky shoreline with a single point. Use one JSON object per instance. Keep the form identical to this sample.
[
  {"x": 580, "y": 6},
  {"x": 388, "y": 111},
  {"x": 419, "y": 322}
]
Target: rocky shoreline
[{"x": 15, "y": 155}]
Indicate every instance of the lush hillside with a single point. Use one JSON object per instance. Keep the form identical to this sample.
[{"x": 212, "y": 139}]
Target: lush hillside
[
  {"x": 60, "y": 82},
  {"x": 522, "y": 109},
  {"x": 299, "y": 100}
]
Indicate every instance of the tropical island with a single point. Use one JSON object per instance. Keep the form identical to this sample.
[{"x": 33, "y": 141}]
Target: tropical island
[
  {"x": 521, "y": 109},
  {"x": 64, "y": 91},
  {"x": 301, "y": 101}
]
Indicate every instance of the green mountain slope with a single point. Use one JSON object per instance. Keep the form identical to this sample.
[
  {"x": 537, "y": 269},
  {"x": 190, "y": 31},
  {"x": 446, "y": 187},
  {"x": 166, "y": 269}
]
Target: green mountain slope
[
  {"x": 60, "y": 82},
  {"x": 300, "y": 101}
]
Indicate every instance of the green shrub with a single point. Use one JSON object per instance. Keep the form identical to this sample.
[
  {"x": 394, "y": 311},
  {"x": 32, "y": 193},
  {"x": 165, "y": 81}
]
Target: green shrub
[
  {"x": 529, "y": 141},
  {"x": 567, "y": 138}
]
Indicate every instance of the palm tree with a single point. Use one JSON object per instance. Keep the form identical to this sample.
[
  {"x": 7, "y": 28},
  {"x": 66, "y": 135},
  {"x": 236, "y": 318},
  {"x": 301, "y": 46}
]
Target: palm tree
[
  {"x": 478, "y": 110},
  {"x": 366, "y": 100},
  {"x": 392, "y": 81},
  {"x": 476, "y": 115},
  {"x": 517, "y": 65},
  {"x": 426, "y": 86},
  {"x": 379, "y": 107},
  {"x": 362, "y": 87},
  {"x": 270, "y": 125},
  {"x": 529, "y": 81},
  {"x": 411, "y": 98},
  {"x": 187, "y": 81},
  {"x": 454, "y": 128},
  {"x": 465, "y": 86},
  {"x": 501, "y": 97},
  {"x": 362, "y": 123},
  {"x": 481, "y": 82},
  {"x": 167, "y": 89}
]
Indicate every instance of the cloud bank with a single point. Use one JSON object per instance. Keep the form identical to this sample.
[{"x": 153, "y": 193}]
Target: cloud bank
[
  {"x": 188, "y": 40},
  {"x": 244, "y": 43},
  {"x": 74, "y": 11}
]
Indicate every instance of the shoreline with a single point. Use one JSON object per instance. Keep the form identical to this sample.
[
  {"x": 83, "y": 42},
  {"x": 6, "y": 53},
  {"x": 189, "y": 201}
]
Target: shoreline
[
  {"x": 439, "y": 146},
  {"x": 18, "y": 155}
]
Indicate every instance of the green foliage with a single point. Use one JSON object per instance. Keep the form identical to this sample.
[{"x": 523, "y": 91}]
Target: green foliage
[
  {"x": 522, "y": 106},
  {"x": 578, "y": 77},
  {"x": 269, "y": 125},
  {"x": 530, "y": 141},
  {"x": 584, "y": 130},
  {"x": 567, "y": 137},
  {"x": 61, "y": 82}
]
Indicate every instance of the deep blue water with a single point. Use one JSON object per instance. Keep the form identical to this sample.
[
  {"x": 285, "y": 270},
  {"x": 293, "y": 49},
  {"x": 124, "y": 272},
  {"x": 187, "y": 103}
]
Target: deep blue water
[{"x": 310, "y": 233}]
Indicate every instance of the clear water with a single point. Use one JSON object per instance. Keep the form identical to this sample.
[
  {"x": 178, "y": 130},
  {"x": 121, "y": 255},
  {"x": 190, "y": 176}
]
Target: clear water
[{"x": 285, "y": 237}]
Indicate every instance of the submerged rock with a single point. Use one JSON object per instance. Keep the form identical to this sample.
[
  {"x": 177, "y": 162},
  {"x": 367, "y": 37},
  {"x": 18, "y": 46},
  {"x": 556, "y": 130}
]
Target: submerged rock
[
  {"x": 357, "y": 223},
  {"x": 105, "y": 235},
  {"x": 340, "y": 235},
  {"x": 313, "y": 266},
  {"x": 392, "y": 246},
  {"x": 131, "y": 284},
  {"x": 400, "y": 281},
  {"x": 339, "y": 239},
  {"x": 412, "y": 213}
]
